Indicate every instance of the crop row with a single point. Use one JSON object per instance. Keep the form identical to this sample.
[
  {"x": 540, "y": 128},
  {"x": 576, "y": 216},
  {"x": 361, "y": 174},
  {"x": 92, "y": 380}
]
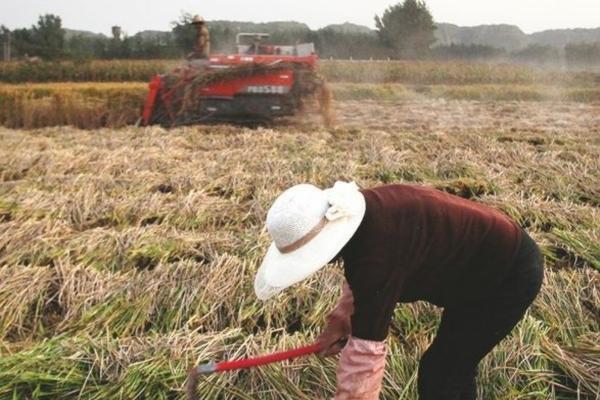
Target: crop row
[
  {"x": 407, "y": 72},
  {"x": 83, "y": 105}
]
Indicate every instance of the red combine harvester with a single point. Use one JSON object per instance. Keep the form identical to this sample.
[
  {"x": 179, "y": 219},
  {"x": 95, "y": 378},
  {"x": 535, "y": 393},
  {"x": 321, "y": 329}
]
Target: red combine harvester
[{"x": 255, "y": 85}]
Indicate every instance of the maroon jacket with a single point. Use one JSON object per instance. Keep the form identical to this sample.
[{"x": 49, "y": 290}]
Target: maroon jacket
[{"x": 418, "y": 243}]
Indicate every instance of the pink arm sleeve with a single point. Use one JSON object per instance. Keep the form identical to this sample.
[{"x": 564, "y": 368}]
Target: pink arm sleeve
[{"x": 360, "y": 370}]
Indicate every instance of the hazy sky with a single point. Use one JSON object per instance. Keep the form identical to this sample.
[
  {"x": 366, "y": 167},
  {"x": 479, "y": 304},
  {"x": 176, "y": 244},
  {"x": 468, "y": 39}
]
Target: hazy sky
[{"x": 136, "y": 15}]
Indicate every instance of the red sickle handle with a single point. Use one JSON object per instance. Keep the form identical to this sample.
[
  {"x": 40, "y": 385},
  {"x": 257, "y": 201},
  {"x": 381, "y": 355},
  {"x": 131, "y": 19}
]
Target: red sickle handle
[{"x": 257, "y": 361}]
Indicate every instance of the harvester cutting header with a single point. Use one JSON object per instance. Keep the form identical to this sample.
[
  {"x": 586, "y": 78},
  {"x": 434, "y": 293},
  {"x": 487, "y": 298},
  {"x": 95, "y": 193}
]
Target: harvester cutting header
[{"x": 257, "y": 84}]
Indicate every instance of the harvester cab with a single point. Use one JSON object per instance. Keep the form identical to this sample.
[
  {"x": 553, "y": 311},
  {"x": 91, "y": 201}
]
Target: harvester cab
[
  {"x": 257, "y": 84},
  {"x": 252, "y": 44}
]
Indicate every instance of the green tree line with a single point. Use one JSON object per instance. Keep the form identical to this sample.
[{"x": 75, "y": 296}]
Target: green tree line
[{"x": 404, "y": 31}]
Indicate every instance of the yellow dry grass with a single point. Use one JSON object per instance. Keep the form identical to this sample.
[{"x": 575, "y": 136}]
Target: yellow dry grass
[
  {"x": 127, "y": 255},
  {"x": 85, "y": 105}
]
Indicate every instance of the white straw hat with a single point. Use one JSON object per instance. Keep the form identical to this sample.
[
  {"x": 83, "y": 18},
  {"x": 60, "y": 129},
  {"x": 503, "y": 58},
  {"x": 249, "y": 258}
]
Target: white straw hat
[{"x": 309, "y": 227}]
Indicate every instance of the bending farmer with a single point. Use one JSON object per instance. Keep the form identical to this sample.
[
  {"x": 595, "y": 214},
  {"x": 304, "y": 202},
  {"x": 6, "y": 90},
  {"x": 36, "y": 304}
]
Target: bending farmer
[{"x": 403, "y": 243}]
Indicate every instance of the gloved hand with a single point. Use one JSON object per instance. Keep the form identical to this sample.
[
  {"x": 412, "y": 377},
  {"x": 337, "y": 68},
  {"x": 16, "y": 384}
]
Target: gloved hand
[
  {"x": 338, "y": 328},
  {"x": 334, "y": 337}
]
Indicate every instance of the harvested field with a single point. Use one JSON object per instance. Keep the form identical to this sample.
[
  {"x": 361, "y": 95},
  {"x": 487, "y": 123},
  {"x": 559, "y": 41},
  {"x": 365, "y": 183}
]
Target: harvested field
[
  {"x": 523, "y": 119},
  {"x": 128, "y": 255}
]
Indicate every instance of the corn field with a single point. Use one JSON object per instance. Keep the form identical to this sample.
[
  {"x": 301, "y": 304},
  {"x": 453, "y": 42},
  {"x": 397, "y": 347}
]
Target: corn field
[
  {"x": 84, "y": 71},
  {"x": 127, "y": 255},
  {"x": 407, "y": 72}
]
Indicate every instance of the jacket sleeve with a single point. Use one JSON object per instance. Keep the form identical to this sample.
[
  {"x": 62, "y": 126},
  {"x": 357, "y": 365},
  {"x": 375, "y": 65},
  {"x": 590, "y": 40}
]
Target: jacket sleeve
[
  {"x": 345, "y": 306},
  {"x": 360, "y": 370},
  {"x": 375, "y": 296}
]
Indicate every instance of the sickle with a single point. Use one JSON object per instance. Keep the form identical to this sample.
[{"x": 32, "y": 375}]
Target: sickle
[{"x": 212, "y": 367}]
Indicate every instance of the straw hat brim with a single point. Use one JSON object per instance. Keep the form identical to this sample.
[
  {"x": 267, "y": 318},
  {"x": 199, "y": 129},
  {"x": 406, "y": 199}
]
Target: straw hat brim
[{"x": 279, "y": 271}]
